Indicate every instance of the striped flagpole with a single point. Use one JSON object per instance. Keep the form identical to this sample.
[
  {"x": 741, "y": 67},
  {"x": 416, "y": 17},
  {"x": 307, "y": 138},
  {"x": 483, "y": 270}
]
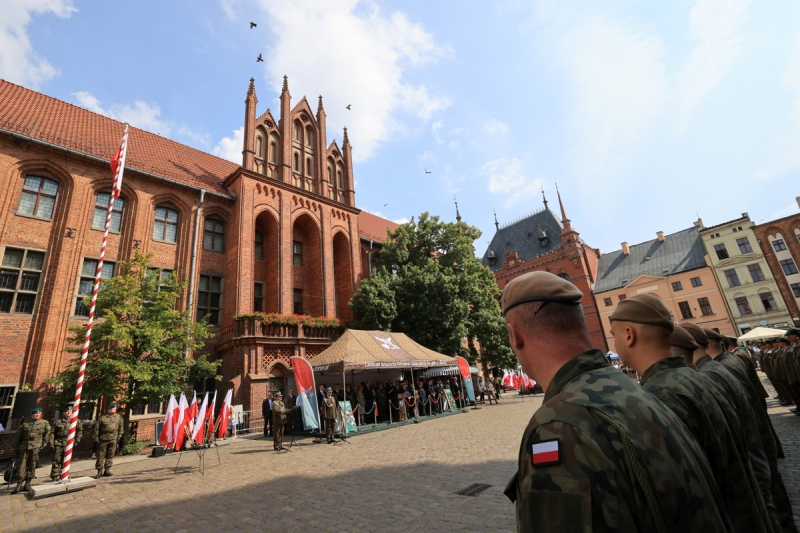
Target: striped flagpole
[{"x": 118, "y": 166}]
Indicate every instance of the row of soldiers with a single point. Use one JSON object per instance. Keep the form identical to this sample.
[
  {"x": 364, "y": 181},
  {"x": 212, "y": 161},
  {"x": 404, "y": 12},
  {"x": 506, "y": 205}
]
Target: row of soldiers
[
  {"x": 780, "y": 361},
  {"x": 36, "y": 433},
  {"x": 688, "y": 448}
]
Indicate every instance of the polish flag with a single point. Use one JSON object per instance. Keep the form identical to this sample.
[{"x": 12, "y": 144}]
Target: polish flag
[
  {"x": 224, "y": 414},
  {"x": 210, "y": 412},
  {"x": 199, "y": 425},
  {"x": 546, "y": 453},
  {"x": 167, "y": 435},
  {"x": 181, "y": 422},
  {"x": 506, "y": 381},
  {"x": 191, "y": 415}
]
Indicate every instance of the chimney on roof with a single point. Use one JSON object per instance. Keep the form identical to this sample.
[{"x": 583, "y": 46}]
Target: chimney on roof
[
  {"x": 625, "y": 249},
  {"x": 660, "y": 236}
]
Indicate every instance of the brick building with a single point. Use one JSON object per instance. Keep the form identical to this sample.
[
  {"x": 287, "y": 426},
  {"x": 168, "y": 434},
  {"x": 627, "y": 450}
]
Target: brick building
[
  {"x": 543, "y": 242},
  {"x": 279, "y": 233},
  {"x": 780, "y": 242}
]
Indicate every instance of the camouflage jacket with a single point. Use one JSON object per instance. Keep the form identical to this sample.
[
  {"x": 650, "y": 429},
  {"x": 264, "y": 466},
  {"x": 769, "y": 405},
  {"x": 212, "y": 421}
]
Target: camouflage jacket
[
  {"x": 60, "y": 433},
  {"x": 590, "y": 483},
  {"x": 278, "y": 412},
  {"x": 752, "y": 373},
  {"x": 689, "y": 395},
  {"x": 108, "y": 427},
  {"x": 31, "y": 435}
]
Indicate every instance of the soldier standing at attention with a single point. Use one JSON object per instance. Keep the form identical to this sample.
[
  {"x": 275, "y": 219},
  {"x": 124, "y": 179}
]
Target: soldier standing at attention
[
  {"x": 58, "y": 438},
  {"x": 642, "y": 327},
  {"x": 329, "y": 413},
  {"x": 278, "y": 421},
  {"x": 107, "y": 431},
  {"x": 490, "y": 391},
  {"x": 30, "y": 436},
  {"x": 601, "y": 453}
]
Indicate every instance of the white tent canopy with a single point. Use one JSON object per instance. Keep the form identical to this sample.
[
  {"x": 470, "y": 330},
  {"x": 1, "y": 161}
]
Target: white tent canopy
[{"x": 762, "y": 333}]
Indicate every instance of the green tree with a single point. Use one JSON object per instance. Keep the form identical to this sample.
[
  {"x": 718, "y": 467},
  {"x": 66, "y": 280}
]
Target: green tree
[
  {"x": 138, "y": 342},
  {"x": 430, "y": 285}
]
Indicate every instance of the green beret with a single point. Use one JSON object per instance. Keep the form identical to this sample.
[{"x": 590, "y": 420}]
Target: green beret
[
  {"x": 681, "y": 338},
  {"x": 644, "y": 309},
  {"x": 696, "y": 332},
  {"x": 68, "y": 407},
  {"x": 732, "y": 340},
  {"x": 783, "y": 339},
  {"x": 712, "y": 335},
  {"x": 539, "y": 287},
  {"x": 36, "y": 410},
  {"x": 111, "y": 406},
  {"x": 793, "y": 331}
]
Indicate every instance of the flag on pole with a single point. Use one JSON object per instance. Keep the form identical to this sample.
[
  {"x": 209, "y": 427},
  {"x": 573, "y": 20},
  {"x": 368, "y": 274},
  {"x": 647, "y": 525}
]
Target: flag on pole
[
  {"x": 210, "y": 412},
  {"x": 167, "y": 437},
  {"x": 306, "y": 399},
  {"x": 181, "y": 422},
  {"x": 224, "y": 414},
  {"x": 466, "y": 378},
  {"x": 192, "y": 414},
  {"x": 199, "y": 424}
]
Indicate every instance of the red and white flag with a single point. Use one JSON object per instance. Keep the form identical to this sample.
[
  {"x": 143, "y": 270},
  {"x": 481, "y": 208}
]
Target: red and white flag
[
  {"x": 546, "y": 453},
  {"x": 210, "y": 412},
  {"x": 191, "y": 415},
  {"x": 199, "y": 424},
  {"x": 181, "y": 422},
  {"x": 167, "y": 435},
  {"x": 506, "y": 381},
  {"x": 224, "y": 414}
]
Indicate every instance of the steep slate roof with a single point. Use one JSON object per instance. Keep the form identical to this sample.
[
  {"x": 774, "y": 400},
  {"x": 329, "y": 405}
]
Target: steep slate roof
[
  {"x": 48, "y": 119},
  {"x": 522, "y": 236},
  {"x": 373, "y": 227},
  {"x": 679, "y": 252}
]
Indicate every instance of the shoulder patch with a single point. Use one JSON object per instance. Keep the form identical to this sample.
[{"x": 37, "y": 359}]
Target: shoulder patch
[{"x": 546, "y": 453}]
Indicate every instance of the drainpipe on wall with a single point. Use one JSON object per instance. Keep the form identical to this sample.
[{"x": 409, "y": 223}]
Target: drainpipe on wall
[{"x": 193, "y": 266}]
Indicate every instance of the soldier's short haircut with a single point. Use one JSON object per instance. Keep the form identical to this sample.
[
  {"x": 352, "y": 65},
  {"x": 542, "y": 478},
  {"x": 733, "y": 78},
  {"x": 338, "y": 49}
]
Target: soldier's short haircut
[{"x": 553, "y": 318}]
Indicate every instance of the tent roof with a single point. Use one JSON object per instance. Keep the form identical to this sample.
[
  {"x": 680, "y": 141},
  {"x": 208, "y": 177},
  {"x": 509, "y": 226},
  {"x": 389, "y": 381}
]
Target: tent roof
[
  {"x": 373, "y": 350},
  {"x": 762, "y": 333}
]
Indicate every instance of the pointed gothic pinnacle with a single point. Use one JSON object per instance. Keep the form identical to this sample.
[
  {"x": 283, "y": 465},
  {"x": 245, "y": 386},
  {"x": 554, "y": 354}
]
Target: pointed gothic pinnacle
[
  {"x": 544, "y": 198},
  {"x": 458, "y": 215},
  {"x": 252, "y": 88},
  {"x": 561, "y": 204},
  {"x": 496, "y": 223},
  {"x": 319, "y": 107},
  {"x": 285, "y": 84},
  {"x": 345, "y": 140}
]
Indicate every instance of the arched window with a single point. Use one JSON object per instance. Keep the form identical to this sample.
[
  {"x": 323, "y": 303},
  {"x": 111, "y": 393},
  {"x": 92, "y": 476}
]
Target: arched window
[
  {"x": 297, "y": 131},
  {"x": 38, "y": 197},
  {"x": 259, "y": 147},
  {"x": 165, "y": 227},
  {"x": 101, "y": 211},
  {"x": 330, "y": 174},
  {"x": 272, "y": 150},
  {"x": 309, "y": 137},
  {"x": 296, "y": 162},
  {"x": 339, "y": 178},
  {"x": 309, "y": 167},
  {"x": 213, "y": 235}
]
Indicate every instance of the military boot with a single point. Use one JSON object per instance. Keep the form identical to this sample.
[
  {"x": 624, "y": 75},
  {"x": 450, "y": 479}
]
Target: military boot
[
  {"x": 108, "y": 473},
  {"x": 99, "y": 473},
  {"x": 18, "y": 488},
  {"x": 27, "y": 486}
]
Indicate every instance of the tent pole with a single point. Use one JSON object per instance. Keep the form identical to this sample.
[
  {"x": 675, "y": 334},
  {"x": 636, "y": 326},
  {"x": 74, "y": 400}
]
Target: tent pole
[
  {"x": 344, "y": 396},
  {"x": 413, "y": 391}
]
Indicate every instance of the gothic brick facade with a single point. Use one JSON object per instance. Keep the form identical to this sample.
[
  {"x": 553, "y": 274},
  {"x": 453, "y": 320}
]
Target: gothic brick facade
[{"x": 780, "y": 241}]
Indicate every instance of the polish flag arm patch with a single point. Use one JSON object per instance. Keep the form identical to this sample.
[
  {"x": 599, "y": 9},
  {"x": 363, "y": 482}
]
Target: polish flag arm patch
[{"x": 546, "y": 453}]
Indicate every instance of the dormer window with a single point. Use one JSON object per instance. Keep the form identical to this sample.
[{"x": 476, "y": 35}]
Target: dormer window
[
  {"x": 542, "y": 235},
  {"x": 492, "y": 258}
]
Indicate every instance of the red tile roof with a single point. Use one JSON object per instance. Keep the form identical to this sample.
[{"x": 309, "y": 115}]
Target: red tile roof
[
  {"x": 374, "y": 227},
  {"x": 60, "y": 123}
]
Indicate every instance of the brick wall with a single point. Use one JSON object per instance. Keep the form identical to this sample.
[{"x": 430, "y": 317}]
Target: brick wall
[{"x": 784, "y": 228}]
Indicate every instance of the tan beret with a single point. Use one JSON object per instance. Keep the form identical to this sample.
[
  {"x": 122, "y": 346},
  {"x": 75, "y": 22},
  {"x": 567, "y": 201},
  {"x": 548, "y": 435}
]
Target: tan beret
[
  {"x": 683, "y": 339},
  {"x": 644, "y": 309},
  {"x": 712, "y": 335},
  {"x": 696, "y": 332},
  {"x": 539, "y": 287}
]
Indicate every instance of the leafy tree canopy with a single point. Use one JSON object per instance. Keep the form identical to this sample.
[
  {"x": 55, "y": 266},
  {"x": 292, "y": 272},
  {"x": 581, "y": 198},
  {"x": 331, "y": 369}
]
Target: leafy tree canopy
[
  {"x": 430, "y": 286},
  {"x": 138, "y": 344}
]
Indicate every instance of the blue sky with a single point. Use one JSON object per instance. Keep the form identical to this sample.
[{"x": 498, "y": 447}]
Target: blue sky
[{"x": 644, "y": 113}]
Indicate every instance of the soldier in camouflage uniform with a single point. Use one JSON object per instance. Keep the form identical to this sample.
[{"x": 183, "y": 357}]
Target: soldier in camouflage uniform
[
  {"x": 278, "y": 421},
  {"x": 601, "y": 453},
  {"x": 107, "y": 431},
  {"x": 58, "y": 438},
  {"x": 30, "y": 436},
  {"x": 642, "y": 327}
]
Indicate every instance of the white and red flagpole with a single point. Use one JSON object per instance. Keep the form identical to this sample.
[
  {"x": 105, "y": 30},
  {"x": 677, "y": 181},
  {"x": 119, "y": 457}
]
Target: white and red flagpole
[{"x": 117, "y": 166}]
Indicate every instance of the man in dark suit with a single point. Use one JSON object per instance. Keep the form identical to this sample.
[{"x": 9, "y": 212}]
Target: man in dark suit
[
  {"x": 320, "y": 400},
  {"x": 266, "y": 410},
  {"x": 369, "y": 403}
]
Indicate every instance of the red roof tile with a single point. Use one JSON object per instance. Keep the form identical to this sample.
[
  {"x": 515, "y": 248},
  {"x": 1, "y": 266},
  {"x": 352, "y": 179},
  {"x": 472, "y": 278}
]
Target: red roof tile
[
  {"x": 374, "y": 227},
  {"x": 63, "y": 124}
]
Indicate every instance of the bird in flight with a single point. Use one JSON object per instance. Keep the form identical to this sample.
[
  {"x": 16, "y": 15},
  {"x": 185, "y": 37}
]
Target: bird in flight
[
  {"x": 348, "y": 106},
  {"x": 427, "y": 171},
  {"x": 259, "y": 59},
  {"x": 384, "y": 205},
  {"x": 253, "y": 25}
]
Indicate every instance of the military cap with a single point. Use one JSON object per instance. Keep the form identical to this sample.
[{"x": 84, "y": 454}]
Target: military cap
[
  {"x": 36, "y": 410},
  {"x": 793, "y": 331},
  {"x": 697, "y": 333},
  {"x": 644, "y": 309},
  {"x": 68, "y": 407},
  {"x": 279, "y": 393},
  {"x": 111, "y": 406},
  {"x": 681, "y": 338},
  {"x": 783, "y": 339},
  {"x": 733, "y": 340},
  {"x": 329, "y": 389},
  {"x": 712, "y": 335},
  {"x": 539, "y": 287}
]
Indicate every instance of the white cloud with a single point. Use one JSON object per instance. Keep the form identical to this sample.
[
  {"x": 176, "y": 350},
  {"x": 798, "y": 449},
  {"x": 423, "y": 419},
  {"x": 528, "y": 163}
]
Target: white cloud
[
  {"x": 401, "y": 220},
  {"x": 355, "y": 55},
  {"x": 141, "y": 114},
  {"x": 507, "y": 178},
  {"x": 230, "y": 148},
  {"x": 19, "y": 63},
  {"x": 428, "y": 156},
  {"x": 435, "y": 127},
  {"x": 454, "y": 145},
  {"x": 495, "y": 126},
  {"x": 717, "y": 27},
  {"x": 229, "y": 7},
  {"x": 617, "y": 83}
]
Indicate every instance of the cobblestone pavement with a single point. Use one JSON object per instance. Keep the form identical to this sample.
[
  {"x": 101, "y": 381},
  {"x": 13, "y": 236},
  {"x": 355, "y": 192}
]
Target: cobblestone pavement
[{"x": 403, "y": 479}]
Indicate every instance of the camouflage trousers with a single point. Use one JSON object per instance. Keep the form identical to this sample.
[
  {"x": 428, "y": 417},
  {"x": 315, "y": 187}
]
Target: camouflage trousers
[
  {"x": 58, "y": 456},
  {"x": 277, "y": 435},
  {"x": 105, "y": 454},
  {"x": 26, "y": 465}
]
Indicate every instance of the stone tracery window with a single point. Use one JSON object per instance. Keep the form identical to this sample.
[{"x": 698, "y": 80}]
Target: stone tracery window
[{"x": 38, "y": 197}]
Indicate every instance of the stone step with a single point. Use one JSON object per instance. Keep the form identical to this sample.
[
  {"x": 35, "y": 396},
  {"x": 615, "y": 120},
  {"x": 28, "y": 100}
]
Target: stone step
[{"x": 54, "y": 489}]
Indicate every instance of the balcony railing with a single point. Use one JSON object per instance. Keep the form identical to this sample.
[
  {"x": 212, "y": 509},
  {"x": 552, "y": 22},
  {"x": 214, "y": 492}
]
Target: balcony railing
[{"x": 255, "y": 327}]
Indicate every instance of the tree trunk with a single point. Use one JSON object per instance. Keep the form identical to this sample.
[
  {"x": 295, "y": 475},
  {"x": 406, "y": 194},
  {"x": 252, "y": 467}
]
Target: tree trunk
[{"x": 126, "y": 417}]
